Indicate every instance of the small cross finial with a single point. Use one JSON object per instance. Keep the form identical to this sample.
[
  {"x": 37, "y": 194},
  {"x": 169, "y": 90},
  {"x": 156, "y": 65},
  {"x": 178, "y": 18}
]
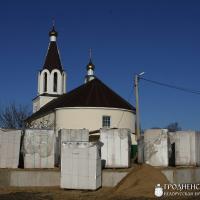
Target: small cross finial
[
  {"x": 90, "y": 53},
  {"x": 53, "y": 21}
]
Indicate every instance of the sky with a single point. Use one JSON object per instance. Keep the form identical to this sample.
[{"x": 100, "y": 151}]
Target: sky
[{"x": 161, "y": 38}]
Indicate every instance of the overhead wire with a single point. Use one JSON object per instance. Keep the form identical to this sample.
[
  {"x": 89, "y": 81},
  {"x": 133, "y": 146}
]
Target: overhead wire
[{"x": 197, "y": 92}]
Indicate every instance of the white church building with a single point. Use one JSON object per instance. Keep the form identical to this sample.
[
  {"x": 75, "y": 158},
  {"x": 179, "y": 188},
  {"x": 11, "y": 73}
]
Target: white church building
[{"x": 93, "y": 105}]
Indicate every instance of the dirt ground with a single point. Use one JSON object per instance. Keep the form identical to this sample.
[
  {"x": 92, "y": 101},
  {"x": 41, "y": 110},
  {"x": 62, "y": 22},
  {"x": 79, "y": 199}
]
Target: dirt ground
[
  {"x": 58, "y": 194},
  {"x": 139, "y": 184}
]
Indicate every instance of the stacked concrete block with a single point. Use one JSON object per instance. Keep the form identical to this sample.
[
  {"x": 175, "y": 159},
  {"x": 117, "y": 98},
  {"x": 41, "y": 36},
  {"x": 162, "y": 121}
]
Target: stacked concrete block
[
  {"x": 163, "y": 148},
  {"x": 70, "y": 135},
  {"x": 39, "y": 147},
  {"x": 9, "y": 148},
  {"x": 74, "y": 135},
  {"x": 116, "y": 147},
  {"x": 197, "y": 148},
  {"x": 187, "y": 148},
  {"x": 156, "y": 147},
  {"x": 80, "y": 165}
]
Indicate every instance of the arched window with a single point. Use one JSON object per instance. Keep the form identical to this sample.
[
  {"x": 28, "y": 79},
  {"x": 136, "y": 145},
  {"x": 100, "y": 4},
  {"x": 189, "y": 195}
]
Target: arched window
[
  {"x": 45, "y": 82},
  {"x": 55, "y": 82}
]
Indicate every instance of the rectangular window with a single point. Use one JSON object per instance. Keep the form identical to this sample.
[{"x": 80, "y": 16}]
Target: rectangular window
[{"x": 106, "y": 121}]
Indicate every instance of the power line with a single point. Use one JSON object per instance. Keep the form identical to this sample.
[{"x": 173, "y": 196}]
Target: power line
[{"x": 172, "y": 86}]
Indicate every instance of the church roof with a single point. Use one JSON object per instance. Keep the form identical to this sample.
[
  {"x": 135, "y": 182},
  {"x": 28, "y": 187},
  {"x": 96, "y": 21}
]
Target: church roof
[
  {"x": 92, "y": 94},
  {"x": 52, "y": 60}
]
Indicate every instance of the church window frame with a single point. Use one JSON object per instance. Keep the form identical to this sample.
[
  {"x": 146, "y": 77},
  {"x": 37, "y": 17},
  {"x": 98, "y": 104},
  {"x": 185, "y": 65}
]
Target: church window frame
[{"x": 106, "y": 121}]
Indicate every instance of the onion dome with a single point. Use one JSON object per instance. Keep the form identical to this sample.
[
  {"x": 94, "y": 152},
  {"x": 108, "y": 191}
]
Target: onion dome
[
  {"x": 90, "y": 65},
  {"x": 53, "y": 32}
]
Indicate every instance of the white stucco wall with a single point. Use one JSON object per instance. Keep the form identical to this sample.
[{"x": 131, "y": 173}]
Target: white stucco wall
[
  {"x": 41, "y": 101},
  {"x": 64, "y": 79},
  {"x": 91, "y": 118},
  {"x": 61, "y": 84},
  {"x": 41, "y": 81},
  {"x": 61, "y": 87}
]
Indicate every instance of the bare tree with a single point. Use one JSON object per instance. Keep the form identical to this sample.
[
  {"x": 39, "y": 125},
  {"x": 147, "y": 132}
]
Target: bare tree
[
  {"x": 173, "y": 127},
  {"x": 12, "y": 116}
]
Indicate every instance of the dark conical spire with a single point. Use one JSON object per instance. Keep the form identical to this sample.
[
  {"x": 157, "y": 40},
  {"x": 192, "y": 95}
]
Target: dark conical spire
[{"x": 52, "y": 60}]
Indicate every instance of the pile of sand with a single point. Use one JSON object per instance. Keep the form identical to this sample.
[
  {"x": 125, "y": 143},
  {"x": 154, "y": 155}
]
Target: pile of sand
[{"x": 140, "y": 182}]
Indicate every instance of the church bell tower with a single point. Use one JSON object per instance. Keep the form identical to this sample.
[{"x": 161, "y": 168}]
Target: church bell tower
[{"x": 52, "y": 78}]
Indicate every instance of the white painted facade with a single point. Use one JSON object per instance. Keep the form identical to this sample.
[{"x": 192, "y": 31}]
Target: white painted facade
[
  {"x": 40, "y": 101},
  {"x": 87, "y": 117},
  {"x": 46, "y": 87},
  {"x": 61, "y": 82},
  {"x": 91, "y": 118}
]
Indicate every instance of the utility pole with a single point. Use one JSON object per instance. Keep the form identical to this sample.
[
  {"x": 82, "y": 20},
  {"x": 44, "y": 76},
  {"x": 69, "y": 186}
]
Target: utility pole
[
  {"x": 137, "y": 78},
  {"x": 137, "y": 107}
]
